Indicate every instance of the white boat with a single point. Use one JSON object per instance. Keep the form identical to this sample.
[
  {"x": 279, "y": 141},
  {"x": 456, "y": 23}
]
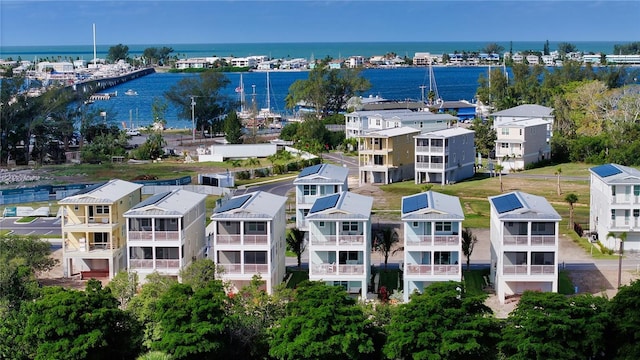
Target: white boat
[{"x": 131, "y": 92}]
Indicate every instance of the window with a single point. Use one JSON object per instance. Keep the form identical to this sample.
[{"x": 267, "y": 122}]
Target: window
[
  {"x": 520, "y": 132},
  {"x": 504, "y": 131},
  {"x": 348, "y": 257},
  {"x": 443, "y": 226},
  {"x": 167, "y": 253},
  {"x": 255, "y": 227},
  {"x": 321, "y": 224},
  {"x": 613, "y": 190},
  {"x": 504, "y": 145},
  {"x": 102, "y": 209},
  {"x": 636, "y": 190},
  {"x": 140, "y": 252},
  {"x": 348, "y": 226},
  {"x": 101, "y": 238},
  {"x": 255, "y": 257},
  {"x": 415, "y": 224},
  {"x": 627, "y": 214},
  {"x": 310, "y": 190},
  {"x": 613, "y": 214}
]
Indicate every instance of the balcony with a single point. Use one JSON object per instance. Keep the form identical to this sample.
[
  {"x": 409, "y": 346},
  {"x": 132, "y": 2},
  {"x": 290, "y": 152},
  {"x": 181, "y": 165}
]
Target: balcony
[
  {"x": 414, "y": 269},
  {"x": 515, "y": 269},
  {"x": 428, "y": 240},
  {"x": 446, "y": 269},
  {"x": 324, "y": 269},
  {"x": 523, "y": 240},
  {"x": 425, "y": 165},
  {"x": 70, "y": 246},
  {"x": 430, "y": 149},
  {"x": 331, "y": 240},
  {"x": 160, "y": 264},
  {"x": 515, "y": 240},
  {"x": 543, "y": 240},
  {"x": 350, "y": 269},
  {"x": 543, "y": 269},
  {"x": 71, "y": 220},
  {"x": 159, "y": 235},
  {"x": 236, "y": 268},
  {"x": 141, "y": 263},
  {"x": 167, "y": 264},
  {"x": 227, "y": 239}
]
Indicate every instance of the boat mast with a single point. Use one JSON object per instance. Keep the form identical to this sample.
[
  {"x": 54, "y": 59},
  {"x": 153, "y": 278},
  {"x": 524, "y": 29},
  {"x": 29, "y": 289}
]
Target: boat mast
[
  {"x": 268, "y": 94},
  {"x": 242, "y": 109},
  {"x": 94, "y": 46},
  {"x": 433, "y": 87}
]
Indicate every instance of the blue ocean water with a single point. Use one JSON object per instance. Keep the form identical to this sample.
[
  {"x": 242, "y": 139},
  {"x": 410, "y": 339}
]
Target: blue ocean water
[{"x": 454, "y": 83}]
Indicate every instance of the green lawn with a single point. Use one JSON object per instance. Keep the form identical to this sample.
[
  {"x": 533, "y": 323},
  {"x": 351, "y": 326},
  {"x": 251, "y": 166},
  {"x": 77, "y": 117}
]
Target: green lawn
[
  {"x": 474, "y": 281},
  {"x": 391, "y": 279},
  {"x": 297, "y": 277},
  {"x": 565, "y": 285}
]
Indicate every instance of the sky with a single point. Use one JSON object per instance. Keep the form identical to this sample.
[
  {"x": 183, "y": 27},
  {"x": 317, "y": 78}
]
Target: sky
[{"x": 52, "y": 22}]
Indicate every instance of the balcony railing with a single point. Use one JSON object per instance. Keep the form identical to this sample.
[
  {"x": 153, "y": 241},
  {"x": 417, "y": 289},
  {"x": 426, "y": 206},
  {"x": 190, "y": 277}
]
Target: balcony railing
[
  {"x": 350, "y": 269},
  {"x": 517, "y": 240},
  {"x": 446, "y": 269},
  {"x": 167, "y": 264},
  {"x": 226, "y": 239},
  {"x": 543, "y": 240},
  {"x": 414, "y": 269},
  {"x": 84, "y": 247},
  {"x": 419, "y": 240},
  {"x": 514, "y": 269},
  {"x": 322, "y": 269},
  {"x": 543, "y": 269},
  {"x": 446, "y": 240},
  {"x": 159, "y": 235},
  {"x": 256, "y": 268},
  {"x": 141, "y": 263},
  {"x": 331, "y": 240},
  {"x": 85, "y": 220},
  {"x": 231, "y": 268}
]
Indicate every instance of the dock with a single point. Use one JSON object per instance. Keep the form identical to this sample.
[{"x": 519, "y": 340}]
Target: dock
[{"x": 96, "y": 86}]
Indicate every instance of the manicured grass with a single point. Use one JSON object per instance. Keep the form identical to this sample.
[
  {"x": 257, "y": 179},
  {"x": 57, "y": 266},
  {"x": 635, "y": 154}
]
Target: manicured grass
[
  {"x": 565, "y": 285},
  {"x": 474, "y": 281},
  {"x": 26, "y": 219},
  {"x": 389, "y": 279},
  {"x": 297, "y": 277}
]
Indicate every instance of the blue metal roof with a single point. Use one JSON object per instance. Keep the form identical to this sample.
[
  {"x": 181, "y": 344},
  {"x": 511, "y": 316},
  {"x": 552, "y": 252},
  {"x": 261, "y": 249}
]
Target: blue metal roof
[
  {"x": 233, "y": 203},
  {"x": 606, "y": 170},
  {"x": 310, "y": 170},
  {"x": 414, "y": 203},
  {"x": 507, "y": 203},
  {"x": 324, "y": 203}
]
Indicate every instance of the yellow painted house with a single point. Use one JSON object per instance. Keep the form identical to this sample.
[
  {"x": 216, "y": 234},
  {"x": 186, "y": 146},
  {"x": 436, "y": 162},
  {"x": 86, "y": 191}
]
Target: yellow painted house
[
  {"x": 387, "y": 156},
  {"x": 93, "y": 228}
]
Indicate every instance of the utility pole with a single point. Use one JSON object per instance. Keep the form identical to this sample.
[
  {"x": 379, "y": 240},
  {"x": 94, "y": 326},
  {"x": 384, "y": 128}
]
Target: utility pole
[{"x": 193, "y": 119}]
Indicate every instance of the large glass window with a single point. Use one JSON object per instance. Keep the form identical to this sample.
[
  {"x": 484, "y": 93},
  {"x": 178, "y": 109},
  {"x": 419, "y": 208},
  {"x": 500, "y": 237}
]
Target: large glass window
[
  {"x": 348, "y": 257},
  {"x": 141, "y": 252},
  {"x": 443, "y": 226},
  {"x": 309, "y": 190},
  {"x": 255, "y": 257},
  {"x": 102, "y": 209},
  {"x": 255, "y": 227},
  {"x": 167, "y": 253},
  {"x": 167, "y": 224},
  {"x": 350, "y": 226},
  {"x": 101, "y": 238}
]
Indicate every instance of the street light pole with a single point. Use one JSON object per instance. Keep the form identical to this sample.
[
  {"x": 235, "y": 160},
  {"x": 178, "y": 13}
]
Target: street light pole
[{"x": 193, "y": 119}]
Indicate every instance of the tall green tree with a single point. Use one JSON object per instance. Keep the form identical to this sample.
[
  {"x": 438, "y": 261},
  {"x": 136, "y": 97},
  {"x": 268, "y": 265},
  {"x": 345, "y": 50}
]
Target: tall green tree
[
  {"x": 327, "y": 90},
  {"x": 571, "y": 199},
  {"x": 200, "y": 272},
  {"x": 124, "y": 287},
  {"x": 152, "y": 148},
  {"x": 385, "y": 243},
  {"x": 233, "y": 128},
  {"x": 73, "y": 324},
  {"x": 445, "y": 322},
  {"x": 159, "y": 111},
  {"x": 193, "y": 323},
  {"x": 469, "y": 241},
  {"x": 553, "y": 326},
  {"x": 485, "y": 136},
  {"x": 625, "y": 320},
  {"x": 118, "y": 52},
  {"x": 322, "y": 322},
  {"x": 206, "y": 91},
  {"x": 296, "y": 243}
]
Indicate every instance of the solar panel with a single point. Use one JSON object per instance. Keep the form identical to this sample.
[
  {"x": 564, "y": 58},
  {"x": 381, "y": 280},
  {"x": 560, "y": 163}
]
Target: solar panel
[
  {"x": 90, "y": 188},
  {"x": 233, "y": 203},
  {"x": 310, "y": 170},
  {"x": 507, "y": 203},
  {"x": 152, "y": 199},
  {"x": 413, "y": 203},
  {"x": 324, "y": 203},
  {"x": 606, "y": 170}
]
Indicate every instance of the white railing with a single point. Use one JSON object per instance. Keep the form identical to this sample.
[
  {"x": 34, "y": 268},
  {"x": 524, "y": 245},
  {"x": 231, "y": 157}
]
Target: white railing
[
  {"x": 255, "y": 239},
  {"x": 419, "y": 240},
  {"x": 414, "y": 269},
  {"x": 320, "y": 239},
  {"x": 543, "y": 240},
  {"x": 514, "y": 269},
  {"x": 351, "y": 239},
  {"x": 159, "y": 235},
  {"x": 231, "y": 268},
  {"x": 256, "y": 268},
  {"x": 226, "y": 239},
  {"x": 543, "y": 269},
  {"x": 517, "y": 240},
  {"x": 141, "y": 263},
  {"x": 350, "y": 269},
  {"x": 167, "y": 264},
  {"x": 322, "y": 269},
  {"x": 446, "y": 269},
  {"x": 446, "y": 240}
]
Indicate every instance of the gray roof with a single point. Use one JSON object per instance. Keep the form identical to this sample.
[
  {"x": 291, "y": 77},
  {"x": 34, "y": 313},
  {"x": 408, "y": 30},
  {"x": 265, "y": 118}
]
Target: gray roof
[
  {"x": 106, "y": 193},
  {"x": 328, "y": 174},
  {"x": 175, "y": 203},
  {"x": 533, "y": 208},
  {"x": 391, "y": 132},
  {"x": 445, "y": 133},
  {"x": 527, "y": 110},
  {"x": 439, "y": 207},
  {"x": 259, "y": 205},
  {"x": 349, "y": 206},
  {"x": 626, "y": 176},
  {"x": 523, "y": 123}
]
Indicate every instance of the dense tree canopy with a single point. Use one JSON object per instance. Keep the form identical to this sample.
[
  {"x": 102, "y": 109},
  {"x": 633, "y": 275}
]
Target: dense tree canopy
[
  {"x": 322, "y": 322},
  {"x": 327, "y": 90},
  {"x": 118, "y": 52},
  {"x": 444, "y": 322},
  {"x": 205, "y": 90}
]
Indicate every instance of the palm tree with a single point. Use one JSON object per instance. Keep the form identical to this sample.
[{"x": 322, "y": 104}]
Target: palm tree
[
  {"x": 469, "y": 240},
  {"x": 296, "y": 243},
  {"x": 622, "y": 237},
  {"x": 384, "y": 243},
  {"x": 155, "y": 355},
  {"x": 499, "y": 169},
  {"x": 571, "y": 198},
  {"x": 558, "y": 173}
]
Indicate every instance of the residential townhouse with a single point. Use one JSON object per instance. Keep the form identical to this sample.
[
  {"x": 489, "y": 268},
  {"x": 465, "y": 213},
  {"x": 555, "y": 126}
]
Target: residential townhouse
[
  {"x": 94, "y": 230},
  {"x": 249, "y": 239},
  {"x": 524, "y": 244},
  {"x": 165, "y": 233},
  {"x": 432, "y": 240},
  {"x": 358, "y": 123},
  {"x": 445, "y": 156},
  {"x": 386, "y": 156},
  {"x": 521, "y": 142},
  {"x": 614, "y": 205},
  {"x": 314, "y": 182},
  {"x": 525, "y": 112},
  {"x": 340, "y": 241}
]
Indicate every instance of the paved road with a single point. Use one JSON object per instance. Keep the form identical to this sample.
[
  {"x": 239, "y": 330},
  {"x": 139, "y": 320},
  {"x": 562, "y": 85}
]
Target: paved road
[{"x": 40, "y": 227}]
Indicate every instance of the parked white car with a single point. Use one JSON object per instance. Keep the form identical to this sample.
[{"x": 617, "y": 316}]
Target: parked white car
[{"x": 133, "y": 132}]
